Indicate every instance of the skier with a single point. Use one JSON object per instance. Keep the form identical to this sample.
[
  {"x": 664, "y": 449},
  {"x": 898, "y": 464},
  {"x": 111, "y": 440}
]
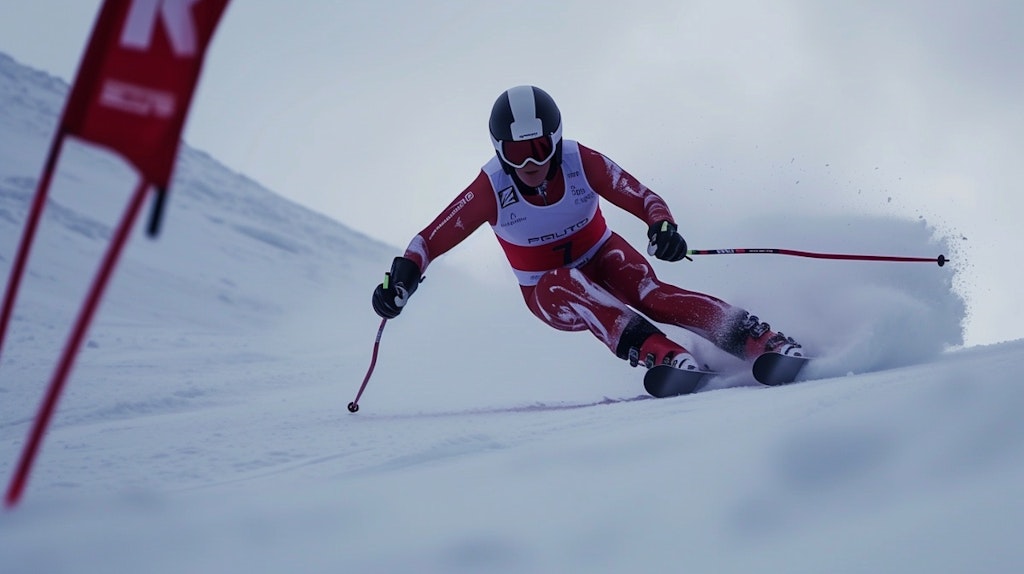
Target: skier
[{"x": 541, "y": 196}]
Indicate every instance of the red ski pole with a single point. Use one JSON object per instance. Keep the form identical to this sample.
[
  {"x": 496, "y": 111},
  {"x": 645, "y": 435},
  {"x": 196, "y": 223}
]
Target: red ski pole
[
  {"x": 354, "y": 405},
  {"x": 941, "y": 259}
]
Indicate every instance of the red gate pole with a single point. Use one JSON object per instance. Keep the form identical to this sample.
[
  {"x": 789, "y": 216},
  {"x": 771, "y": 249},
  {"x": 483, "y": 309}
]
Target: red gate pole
[
  {"x": 28, "y": 454},
  {"x": 28, "y": 236}
]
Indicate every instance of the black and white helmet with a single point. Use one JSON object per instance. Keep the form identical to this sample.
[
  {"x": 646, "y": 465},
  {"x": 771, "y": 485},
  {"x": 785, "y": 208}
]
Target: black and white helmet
[{"x": 526, "y": 127}]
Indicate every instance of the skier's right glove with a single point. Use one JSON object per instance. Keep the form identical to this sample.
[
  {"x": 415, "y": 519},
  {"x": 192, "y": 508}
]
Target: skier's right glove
[
  {"x": 399, "y": 284},
  {"x": 666, "y": 243}
]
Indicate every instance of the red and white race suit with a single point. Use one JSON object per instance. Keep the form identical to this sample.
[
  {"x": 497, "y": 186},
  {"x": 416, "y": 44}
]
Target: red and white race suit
[{"x": 574, "y": 272}]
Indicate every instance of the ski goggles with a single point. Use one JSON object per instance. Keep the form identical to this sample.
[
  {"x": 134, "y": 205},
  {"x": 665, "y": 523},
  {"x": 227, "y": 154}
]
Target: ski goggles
[{"x": 518, "y": 153}]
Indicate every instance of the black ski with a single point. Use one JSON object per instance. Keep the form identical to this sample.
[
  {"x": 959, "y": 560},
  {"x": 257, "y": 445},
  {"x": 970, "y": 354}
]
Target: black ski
[
  {"x": 663, "y": 381},
  {"x": 775, "y": 369}
]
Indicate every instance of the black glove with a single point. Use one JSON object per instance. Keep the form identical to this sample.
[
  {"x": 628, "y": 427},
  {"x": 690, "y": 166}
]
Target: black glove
[
  {"x": 666, "y": 243},
  {"x": 390, "y": 296}
]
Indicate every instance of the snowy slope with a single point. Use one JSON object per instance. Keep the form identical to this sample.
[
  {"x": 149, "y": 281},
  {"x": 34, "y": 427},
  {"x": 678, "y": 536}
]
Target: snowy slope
[{"x": 204, "y": 427}]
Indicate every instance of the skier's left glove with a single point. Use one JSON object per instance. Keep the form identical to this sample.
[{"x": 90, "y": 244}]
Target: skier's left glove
[
  {"x": 391, "y": 296},
  {"x": 666, "y": 243}
]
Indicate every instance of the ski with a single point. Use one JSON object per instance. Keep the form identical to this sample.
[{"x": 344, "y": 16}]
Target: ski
[
  {"x": 775, "y": 369},
  {"x": 663, "y": 381}
]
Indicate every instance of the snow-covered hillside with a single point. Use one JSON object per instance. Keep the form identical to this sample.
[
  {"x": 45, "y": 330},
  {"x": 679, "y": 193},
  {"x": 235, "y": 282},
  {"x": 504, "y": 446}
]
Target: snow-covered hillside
[{"x": 204, "y": 428}]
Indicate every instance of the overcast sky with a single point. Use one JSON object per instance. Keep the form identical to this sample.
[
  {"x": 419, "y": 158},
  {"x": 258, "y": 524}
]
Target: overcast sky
[{"x": 374, "y": 112}]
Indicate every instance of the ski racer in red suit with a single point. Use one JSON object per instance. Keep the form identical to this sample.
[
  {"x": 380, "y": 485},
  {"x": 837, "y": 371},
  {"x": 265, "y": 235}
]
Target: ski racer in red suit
[{"x": 542, "y": 195}]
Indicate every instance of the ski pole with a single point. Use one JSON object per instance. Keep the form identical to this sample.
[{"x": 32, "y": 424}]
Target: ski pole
[
  {"x": 354, "y": 405},
  {"x": 941, "y": 259}
]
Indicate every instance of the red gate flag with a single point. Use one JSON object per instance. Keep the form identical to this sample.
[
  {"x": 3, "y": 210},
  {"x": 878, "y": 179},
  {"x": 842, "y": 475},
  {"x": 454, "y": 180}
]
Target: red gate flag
[
  {"x": 137, "y": 79},
  {"x": 131, "y": 95}
]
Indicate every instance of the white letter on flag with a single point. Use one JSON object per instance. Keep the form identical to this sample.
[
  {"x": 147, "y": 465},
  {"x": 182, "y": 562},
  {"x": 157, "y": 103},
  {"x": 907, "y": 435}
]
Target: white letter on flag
[{"x": 177, "y": 18}]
